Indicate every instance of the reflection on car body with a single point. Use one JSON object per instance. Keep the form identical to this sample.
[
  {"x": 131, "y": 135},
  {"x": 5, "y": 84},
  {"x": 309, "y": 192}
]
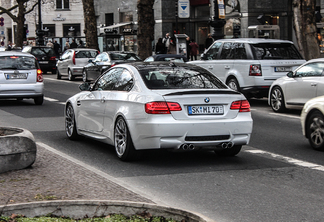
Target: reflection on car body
[{"x": 160, "y": 105}]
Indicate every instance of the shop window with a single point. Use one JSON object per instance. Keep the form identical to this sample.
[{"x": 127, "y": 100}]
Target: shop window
[
  {"x": 109, "y": 19},
  {"x": 50, "y": 28},
  {"x": 71, "y": 30},
  {"x": 62, "y": 4}
]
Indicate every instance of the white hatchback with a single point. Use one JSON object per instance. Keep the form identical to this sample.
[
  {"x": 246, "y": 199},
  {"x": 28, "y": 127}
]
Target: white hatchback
[{"x": 20, "y": 77}]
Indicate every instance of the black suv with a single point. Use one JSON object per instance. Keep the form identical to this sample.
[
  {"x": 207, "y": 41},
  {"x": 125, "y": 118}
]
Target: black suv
[{"x": 45, "y": 57}]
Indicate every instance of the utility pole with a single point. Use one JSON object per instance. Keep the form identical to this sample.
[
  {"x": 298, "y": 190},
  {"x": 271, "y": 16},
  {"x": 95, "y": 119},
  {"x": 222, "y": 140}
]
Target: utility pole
[
  {"x": 40, "y": 33},
  {"x": 218, "y": 21}
]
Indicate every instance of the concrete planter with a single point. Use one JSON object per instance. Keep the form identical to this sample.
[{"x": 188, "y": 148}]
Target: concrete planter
[
  {"x": 79, "y": 209},
  {"x": 17, "y": 149}
]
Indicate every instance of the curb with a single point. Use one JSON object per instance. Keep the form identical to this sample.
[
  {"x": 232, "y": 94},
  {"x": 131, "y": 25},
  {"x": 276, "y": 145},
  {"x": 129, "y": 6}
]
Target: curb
[{"x": 91, "y": 208}]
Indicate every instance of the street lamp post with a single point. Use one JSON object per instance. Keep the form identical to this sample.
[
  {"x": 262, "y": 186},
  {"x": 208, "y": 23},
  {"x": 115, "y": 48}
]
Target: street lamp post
[
  {"x": 40, "y": 33},
  {"x": 217, "y": 23}
]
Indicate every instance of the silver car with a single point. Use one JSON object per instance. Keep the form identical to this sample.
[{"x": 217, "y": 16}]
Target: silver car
[
  {"x": 20, "y": 77},
  {"x": 160, "y": 105},
  {"x": 72, "y": 61}
]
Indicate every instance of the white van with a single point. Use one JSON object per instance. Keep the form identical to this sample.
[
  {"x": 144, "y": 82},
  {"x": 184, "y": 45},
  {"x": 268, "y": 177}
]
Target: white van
[{"x": 250, "y": 65}]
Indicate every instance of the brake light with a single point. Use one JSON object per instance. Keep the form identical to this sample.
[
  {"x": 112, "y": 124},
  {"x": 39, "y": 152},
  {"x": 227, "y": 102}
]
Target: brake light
[
  {"x": 39, "y": 75},
  {"x": 241, "y": 105},
  {"x": 162, "y": 107},
  {"x": 52, "y": 58},
  {"x": 255, "y": 70},
  {"x": 13, "y": 57},
  {"x": 73, "y": 58}
]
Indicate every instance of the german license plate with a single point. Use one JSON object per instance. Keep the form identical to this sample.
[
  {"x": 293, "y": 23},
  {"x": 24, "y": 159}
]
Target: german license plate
[
  {"x": 282, "y": 69},
  {"x": 43, "y": 62},
  {"x": 16, "y": 76},
  {"x": 206, "y": 110}
]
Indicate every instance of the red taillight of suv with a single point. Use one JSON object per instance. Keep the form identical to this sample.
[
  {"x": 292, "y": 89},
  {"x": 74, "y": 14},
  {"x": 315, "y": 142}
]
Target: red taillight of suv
[
  {"x": 162, "y": 107},
  {"x": 241, "y": 105},
  {"x": 73, "y": 58},
  {"x": 52, "y": 58},
  {"x": 255, "y": 70},
  {"x": 39, "y": 77}
]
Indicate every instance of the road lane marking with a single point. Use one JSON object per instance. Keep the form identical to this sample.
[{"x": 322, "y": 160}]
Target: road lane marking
[
  {"x": 62, "y": 80},
  {"x": 285, "y": 115},
  {"x": 51, "y": 99},
  {"x": 289, "y": 160}
]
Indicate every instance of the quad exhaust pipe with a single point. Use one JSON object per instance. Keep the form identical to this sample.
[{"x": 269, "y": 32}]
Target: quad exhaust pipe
[
  {"x": 187, "y": 146},
  {"x": 227, "y": 145}
]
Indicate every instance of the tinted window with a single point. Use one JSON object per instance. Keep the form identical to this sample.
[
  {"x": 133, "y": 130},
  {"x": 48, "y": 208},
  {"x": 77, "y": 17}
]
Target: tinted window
[
  {"x": 124, "y": 56},
  {"x": 228, "y": 51},
  {"x": 18, "y": 62},
  {"x": 180, "y": 78},
  {"x": 116, "y": 79},
  {"x": 86, "y": 54},
  {"x": 43, "y": 52},
  {"x": 312, "y": 69},
  {"x": 213, "y": 51},
  {"x": 275, "y": 51}
]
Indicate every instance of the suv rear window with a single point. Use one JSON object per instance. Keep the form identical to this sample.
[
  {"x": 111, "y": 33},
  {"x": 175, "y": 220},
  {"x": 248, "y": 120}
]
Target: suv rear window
[
  {"x": 43, "y": 51},
  {"x": 18, "y": 62},
  {"x": 275, "y": 51},
  {"x": 86, "y": 54},
  {"x": 124, "y": 56}
]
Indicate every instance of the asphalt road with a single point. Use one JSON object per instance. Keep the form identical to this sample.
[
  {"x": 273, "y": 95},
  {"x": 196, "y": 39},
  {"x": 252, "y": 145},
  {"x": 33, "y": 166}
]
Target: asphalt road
[{"x": 277, "y": 177}]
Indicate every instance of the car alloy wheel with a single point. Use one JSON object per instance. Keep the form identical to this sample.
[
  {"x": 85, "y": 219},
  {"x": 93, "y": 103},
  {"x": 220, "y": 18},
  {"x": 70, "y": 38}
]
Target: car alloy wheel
[
  {"x": 277, "y": 100},
  {"x": 233, "y": 84},
  {"x": 84, "y": 76},
  {"x": 123, "y": 142},
  {"x": 70, "y": 76},
  {"x": 70, "y": 125},
  {"x": 315, "y": 130},
  {"x": 58, "y": 74}
]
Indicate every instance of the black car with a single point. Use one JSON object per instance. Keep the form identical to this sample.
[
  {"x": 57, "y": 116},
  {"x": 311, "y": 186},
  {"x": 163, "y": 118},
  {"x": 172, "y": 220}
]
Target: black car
[
  {"x": 166, "y": 57},
  {"x": 45, "y": 56},
  {"x": 104, "y": 61}
]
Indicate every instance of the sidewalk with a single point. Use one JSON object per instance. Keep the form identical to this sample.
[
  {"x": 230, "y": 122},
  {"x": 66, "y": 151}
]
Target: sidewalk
[{"x": 53, "y": 177}]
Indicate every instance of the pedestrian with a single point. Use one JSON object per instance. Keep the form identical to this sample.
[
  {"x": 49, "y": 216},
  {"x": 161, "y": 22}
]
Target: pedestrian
[
  {"x": 57, "y": 48},
  {"x": 73, "y": 44},
  {"x": 9, "y": 46},
  {"x": 172, "y": 46},
  {"x": 209, "y": 41},
  {"x": 188, "y": 41},
  {"x": 67, "y": 46},
  {"x": 166, "y": 42},
  {"x": 160, "y": 47},
  {"x": 50, "y": 44},
  {"x": 194, "y": 49},
  {"x": 81, "y": 45}
]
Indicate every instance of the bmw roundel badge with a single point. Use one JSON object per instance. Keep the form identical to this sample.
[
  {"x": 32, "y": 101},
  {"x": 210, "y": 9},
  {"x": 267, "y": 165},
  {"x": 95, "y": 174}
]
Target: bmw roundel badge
[{"x": 207, "y": 100}]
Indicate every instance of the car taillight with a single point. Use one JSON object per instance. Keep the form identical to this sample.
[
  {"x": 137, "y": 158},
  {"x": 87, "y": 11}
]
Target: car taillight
[
  {"x": 255, "y": 70},
  {"x": 39, "y": 76},
  {"x": 241, "y": 105},
  {"x": 162, "y": 107},
  {"x": 73, "y": 58},
  {"x": 52, "y": 58}
]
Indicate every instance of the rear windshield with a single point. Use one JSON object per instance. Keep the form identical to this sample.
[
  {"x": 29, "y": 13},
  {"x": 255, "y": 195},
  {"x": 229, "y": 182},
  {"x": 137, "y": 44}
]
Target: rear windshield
[
  {"x": 275, "y": 51},
  {"x": 125, "y": 56},
  {"x": 43, "y": 51},
  {"x": 86, "y": 54},
  {"x": 17, "y": 62},
  {"x": 180, "y": 78}
]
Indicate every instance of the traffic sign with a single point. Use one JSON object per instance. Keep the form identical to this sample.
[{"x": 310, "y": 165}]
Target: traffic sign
[
  {"x": 1, "y": 21},
  {"x": 183, "y": 8}
]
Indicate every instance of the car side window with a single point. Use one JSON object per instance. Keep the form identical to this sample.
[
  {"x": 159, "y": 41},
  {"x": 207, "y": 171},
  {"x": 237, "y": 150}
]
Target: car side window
[
  {"x": 309, "y": 70},
  {"x": 99, "y": 58},
  {"x": 228, "y": 51},
  {"x": 105, "y": 58},
  {"x": 240, "y": 52},
  {"x": 213, "y": 51},
  {"x": 65, "y": 55},
  {"x": 149, "y": 59},
  {"x": 118, "y": 79}
]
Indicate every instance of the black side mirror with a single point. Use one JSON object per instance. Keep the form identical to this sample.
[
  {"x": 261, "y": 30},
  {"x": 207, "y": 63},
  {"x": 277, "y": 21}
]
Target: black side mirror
[
  {"x": 290, "y": 74},
  {"x": 90, "y": 61},
  {"x": 85, "y": 86},
  {"x": 203, "y": 56}
]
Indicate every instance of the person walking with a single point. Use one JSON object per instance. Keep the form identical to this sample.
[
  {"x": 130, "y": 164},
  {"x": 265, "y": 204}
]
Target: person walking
[
  {"x": 50, "y": 44},
  {"x": 73, "y": 44},
  {"x": 67, "y": 46},
  {"x": 166, "y": 42},
  {"x": 188, "y": 41},
  {"x": 209, "y": 41},
  {"x": 172, "y": 46},
  {"x": 194, "y": 50},
  {"x": 57, "y": 48},
  {"x": 160, "y": 47}
]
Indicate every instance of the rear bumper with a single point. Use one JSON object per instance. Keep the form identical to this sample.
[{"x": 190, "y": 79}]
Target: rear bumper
[
  {"x": 77, "y": 71},
  {"x": 258, "y": 91},
  {"x": 21, "y": 90}
]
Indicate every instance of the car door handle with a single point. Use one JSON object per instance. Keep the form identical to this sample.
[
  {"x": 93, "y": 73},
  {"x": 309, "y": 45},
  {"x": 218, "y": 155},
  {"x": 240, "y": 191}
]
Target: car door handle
[
  {"x": 78, "y": 103},
  {"x": 210, "y": 67},
  {"x": 313, "y": 84},
  {"x": 103, "y": 99},
  {"x": 227, "y": 67}
]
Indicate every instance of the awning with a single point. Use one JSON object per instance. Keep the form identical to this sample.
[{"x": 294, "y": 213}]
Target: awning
[{"x": 102, "y": 29}]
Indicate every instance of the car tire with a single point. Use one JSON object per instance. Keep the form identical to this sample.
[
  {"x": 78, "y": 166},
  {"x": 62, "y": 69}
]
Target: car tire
[
  {"x": 233, "y": 84},
  {"x": 84, "y": 76},
  {"x": 70, "y": 76},
  {"x": 233, "y": 151},
  {"x": 39, "y": 100},
  {"x": 277, "y": 100},
  {"x": 70, "y": 124},
  {"x": 315, "y": 130},
  {"x": 58, "y": 74},
  {"x": 124, "y": 146}
]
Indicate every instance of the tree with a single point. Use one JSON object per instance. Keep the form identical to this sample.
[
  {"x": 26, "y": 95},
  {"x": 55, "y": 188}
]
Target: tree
[
  {"x": 145, "y": 30},
  {"x": 305, "y": 28},
  {"x": 23, "y": 9},
  {"x": 90, "y": 24}
]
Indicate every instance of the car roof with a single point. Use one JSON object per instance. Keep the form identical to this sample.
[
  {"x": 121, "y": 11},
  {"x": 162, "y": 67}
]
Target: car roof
[
  {"x": 83, "y": 49},
  {"x": 162, "y": 64},
  {"x": 15, "y": 53},
  {"x": 160, "y": 56},
  {"x": 111, "y": 52},
  {"x": 254, "y": 40}
]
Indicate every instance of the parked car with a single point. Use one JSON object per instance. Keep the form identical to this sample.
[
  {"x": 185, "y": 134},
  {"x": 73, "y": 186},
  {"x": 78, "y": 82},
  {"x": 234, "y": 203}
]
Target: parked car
[
  {"x": 166, "y": 57},
  {"x": 72, "y": 62},
  {"x": 312, "y": 122},
  {"x": 104, "y": 61},
  {"x": 295, "y": 89},
  {"x": 160, "y": 105},
  {"x": 20, "y": 77},
  {"x": 250, "y": 65},
  {"x": 45, "y": 57}
]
